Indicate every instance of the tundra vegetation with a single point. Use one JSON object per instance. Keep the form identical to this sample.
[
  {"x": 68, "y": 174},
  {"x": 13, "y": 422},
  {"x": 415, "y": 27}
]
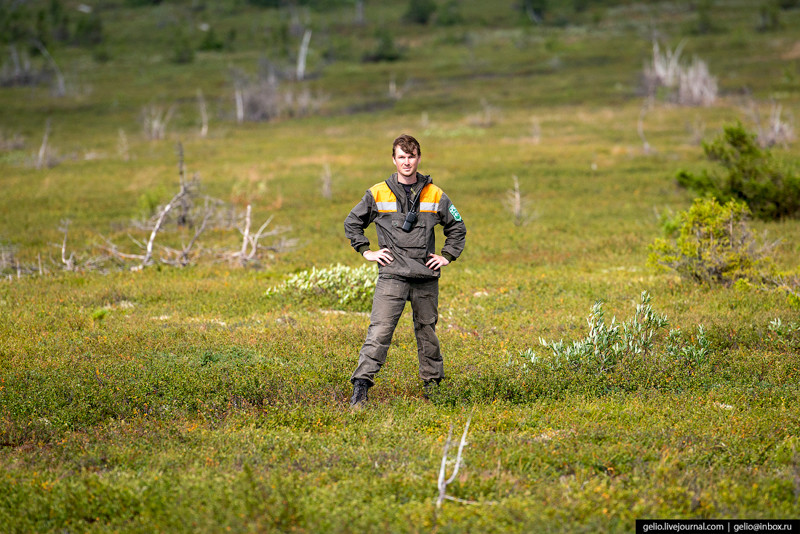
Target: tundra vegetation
[{"x": 180, "y": 312}]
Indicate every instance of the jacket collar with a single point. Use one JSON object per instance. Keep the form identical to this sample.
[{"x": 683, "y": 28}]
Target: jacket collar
[{"x": 397, "y": 187}]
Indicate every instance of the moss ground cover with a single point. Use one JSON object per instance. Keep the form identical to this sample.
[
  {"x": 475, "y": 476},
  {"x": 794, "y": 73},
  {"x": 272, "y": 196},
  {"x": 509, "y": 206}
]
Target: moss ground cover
[{"x": 170, "y": 399}]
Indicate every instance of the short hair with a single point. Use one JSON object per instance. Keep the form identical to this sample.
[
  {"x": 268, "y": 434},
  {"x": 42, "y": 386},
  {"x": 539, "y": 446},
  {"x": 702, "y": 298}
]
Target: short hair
[{"x": 408, "y": 144}]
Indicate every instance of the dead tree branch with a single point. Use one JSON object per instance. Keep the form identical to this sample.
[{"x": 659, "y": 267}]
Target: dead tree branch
[
  {"x": 327, "y": 179},
  {"x": 155, "y": 121},
  {"x": 776, "y": 131},
  {"x": 184, "y": 255},
  {"x": 302, "y": 54},
  {"x": 251, "y": 242},
  {"x": 646, "y": 105},
  {"x": 69, "y": 263},
  {"x": 516, "y": 202},
  {"x": 149, "y": 251},
  {"x": 444, "y": 482},
  {"x": 203, "y": 114},
  {"x": 61, "y": 88},
  {"x": 41, "y": 159}
]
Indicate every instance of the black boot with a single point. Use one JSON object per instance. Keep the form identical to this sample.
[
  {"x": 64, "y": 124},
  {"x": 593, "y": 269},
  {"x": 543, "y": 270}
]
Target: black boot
[
  {"x": 359, "y": 398},
  {"x": 430, "y": 387}
]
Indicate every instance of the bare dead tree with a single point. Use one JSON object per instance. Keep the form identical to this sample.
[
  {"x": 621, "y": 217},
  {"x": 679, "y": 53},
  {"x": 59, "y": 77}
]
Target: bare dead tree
[
  {"x": 183, "y": 257},
  {"x": 697, "y": 87},
  {"x": 517, "y": 204},
  {"x": 67, "y": 262},
  {"x": 42, "y": 157},
  {"x": 201, "y": 102},
  {"x": 359, "y": 16},
  {"x": 697, "y": 129},
  {"x": 155, "y": 121},
  {"x": 776, "y": 131},
  {"x": 251, "y": 242},
  {"x": 302, "y": 55},
  {"x": 327, "y": 179},
  {"x": 536, "y": 131},
  {"x": 14, "y": 142},
  {"x": 531, "y": 12},
  {"x": 122, "y": 145},
  {"x": 488, "y": 112},
  {"x": 187, "y": 190},
  {"x": 691, "y": 85},
  {"x": 8, "y": 258},
  {"x": 60, "y": 89},
  {"x": 147, "y": 259},
  {"x": 261, "y": 98},
  {"x": 646, "y": 105},
  {"x": 21, "y": 71},
  {"x": 239, "y": 99},
  {"x": 182, "y": 210},
  {"x": 665, "y": 69}
]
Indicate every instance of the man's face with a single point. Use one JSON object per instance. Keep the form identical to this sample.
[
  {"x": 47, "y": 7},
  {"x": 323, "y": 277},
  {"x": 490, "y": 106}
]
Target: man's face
[{"x": 406, "y": 163}]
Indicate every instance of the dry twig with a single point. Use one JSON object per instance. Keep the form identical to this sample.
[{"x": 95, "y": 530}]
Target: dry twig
[
  {"x": 646, "y": 105},
  {"x": 518, "y": 205},
  {"x": 68, "y": 262},
  {"x": 203, "y": 113},
  {"x": 326, "y": 178},
  {"x": 443, "y": 481},
  {"x": 41, "y": 159}
]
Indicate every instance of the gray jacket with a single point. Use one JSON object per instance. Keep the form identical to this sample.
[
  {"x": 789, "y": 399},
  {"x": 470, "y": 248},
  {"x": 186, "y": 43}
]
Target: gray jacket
[{"x": 385, "y": 204}]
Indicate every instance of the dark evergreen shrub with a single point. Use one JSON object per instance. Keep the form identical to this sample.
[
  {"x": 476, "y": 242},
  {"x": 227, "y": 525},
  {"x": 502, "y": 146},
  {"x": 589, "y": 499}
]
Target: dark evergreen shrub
[
  {"x": 420, "y": 11},
  {"x": 749, "y": 174}
]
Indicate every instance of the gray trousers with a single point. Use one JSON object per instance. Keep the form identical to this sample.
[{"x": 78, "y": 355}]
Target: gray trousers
[{"x": 390, "y": 298}]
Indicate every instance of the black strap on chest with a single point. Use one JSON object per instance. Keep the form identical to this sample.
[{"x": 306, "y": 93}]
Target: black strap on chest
[{"x": 414, "y": 206}]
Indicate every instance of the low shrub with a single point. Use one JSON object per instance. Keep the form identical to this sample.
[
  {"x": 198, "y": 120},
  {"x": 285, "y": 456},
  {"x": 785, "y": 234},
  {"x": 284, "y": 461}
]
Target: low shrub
[
  {"x": 420, "y": 11},
  {"x": 89, "y": 31},
  {"x": 182, "y": 49},
  {"x": 712, "y": 243},
  {"x": 338, "y": 286},
  {"x": 385, "y": 50},
  {"x": 750, "y": 174},
  {"x": 211, "y": 43},
  {"x": 640, "y": 353}
]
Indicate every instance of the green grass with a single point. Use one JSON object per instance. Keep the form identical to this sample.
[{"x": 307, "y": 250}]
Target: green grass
[{"x": 173, "y": 399}]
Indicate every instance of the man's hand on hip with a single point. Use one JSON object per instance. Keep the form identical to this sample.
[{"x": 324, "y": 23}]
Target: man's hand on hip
[
  {"x": 382, "y": 256},
  {"x": 435, "y": 262}
]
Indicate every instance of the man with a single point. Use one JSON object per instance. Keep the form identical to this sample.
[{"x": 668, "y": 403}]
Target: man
[{"x": 405, "y": 209}]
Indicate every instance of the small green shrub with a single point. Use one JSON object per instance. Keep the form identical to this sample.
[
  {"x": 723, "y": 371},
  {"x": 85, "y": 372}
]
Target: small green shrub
[
  {"x": 338, "y": 286},
  {"x": 386, "y": 50},
  {"x": 89, "y": 31},
  {"x": 420, "y": 11},
  {"x": 607, "y": 345},
  {"x": 769, "y": 17},
  {"x": 636, "y": 354},
  {"x": 712, "y": 243},
  {"x": 211, "y": 43},
  {"x": 449, "y": 14},
  {"x": 182, "y": 50},
  {"x": 265, "y": 3},
  {"x": 751, "y": 175}
]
